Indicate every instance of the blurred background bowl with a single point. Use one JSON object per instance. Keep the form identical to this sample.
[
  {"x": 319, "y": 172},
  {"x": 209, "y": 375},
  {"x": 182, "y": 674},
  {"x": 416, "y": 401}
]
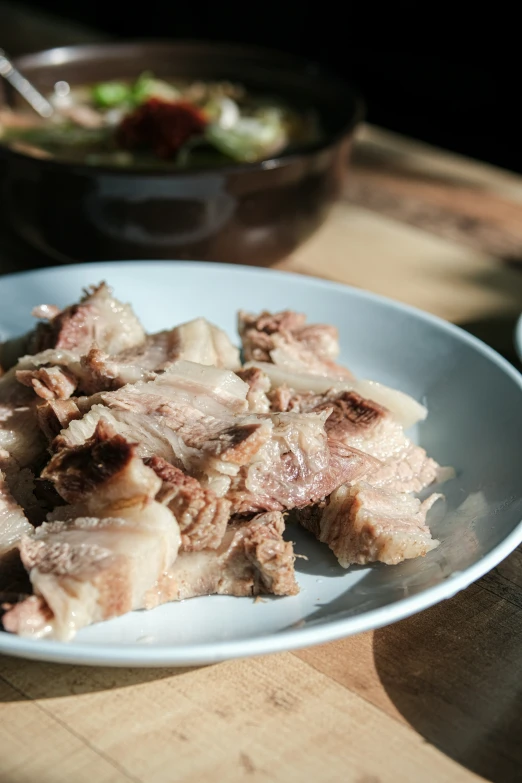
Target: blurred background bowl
[{"x": 244, "y": 213}]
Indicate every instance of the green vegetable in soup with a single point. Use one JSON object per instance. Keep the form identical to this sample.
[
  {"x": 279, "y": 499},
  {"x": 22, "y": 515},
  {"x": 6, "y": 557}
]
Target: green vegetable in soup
[
  {"x": 116, "y": 95},
  {"x": 110, "y": 95},
  {"x": 250, "y": 138},
  {"x": 147, "y": 86}
]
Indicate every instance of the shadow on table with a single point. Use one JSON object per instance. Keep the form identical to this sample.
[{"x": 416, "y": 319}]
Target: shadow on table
[
  {"x": 454, "y": 673},
  {"x": 36, "y": 680}
]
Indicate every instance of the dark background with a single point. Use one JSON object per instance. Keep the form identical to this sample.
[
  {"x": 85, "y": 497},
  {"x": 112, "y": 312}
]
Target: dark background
[{"x": 446, "y": 73}]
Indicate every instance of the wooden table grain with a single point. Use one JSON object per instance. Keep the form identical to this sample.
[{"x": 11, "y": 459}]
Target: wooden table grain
[{"x": 433, "y": 698}]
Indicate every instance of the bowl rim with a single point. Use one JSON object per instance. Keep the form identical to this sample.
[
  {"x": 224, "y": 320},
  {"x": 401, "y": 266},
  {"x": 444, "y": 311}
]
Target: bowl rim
[{"x": 61, "y": 54}]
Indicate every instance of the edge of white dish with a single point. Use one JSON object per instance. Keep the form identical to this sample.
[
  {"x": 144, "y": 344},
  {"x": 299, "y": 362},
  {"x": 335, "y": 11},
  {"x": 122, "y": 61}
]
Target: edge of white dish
[
  {"x": 200, "y": 654},
  {"x": 518, "y": 337}
]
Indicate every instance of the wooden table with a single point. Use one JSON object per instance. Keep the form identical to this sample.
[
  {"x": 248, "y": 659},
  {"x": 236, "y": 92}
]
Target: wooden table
[{"x": 434, "y": 698}]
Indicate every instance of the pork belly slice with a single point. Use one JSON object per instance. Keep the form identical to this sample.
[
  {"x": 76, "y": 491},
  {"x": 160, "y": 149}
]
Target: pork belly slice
[
  {"x": 109, "y": 547},
  {"x": 200, "y": 342},
  {"x": 211, "y": 390},
  {"x": 21, "y": 442},
  {"x": 97, "y": 318},
  {"x": 284, "y": 384},
  {"x": 163, "y": 434},
  {"x": 49, "y": 383},
  {"x": 296, "y": 466},
  {"x": 90, "y": 569},
  {"x": 105, "y": 472},
  {"x": 202, "y": 516},
  {"x": 252, "y": 559},
  {"x": 59, "y": 373},
  {"x": 173, "y": 416},
  {"x": 102, "y": 372},
  {"x": 285, "y": 339},
  {"x": 48, "y": 374},
  {"x": 197, "y": 341},
  {"x": 51, "y": 374},
  {"x": 98, "y": 322},
  {"x": 198, "y": 396},
  {"x": 369, "y": 427},
  {"x": 13, "y": 521},
  {"x": 257, "y": 333},
  {"x": 258, "y": 387},
  {"x": 362, "y": 524},
  {"x": 55, "y": 415},
  {"x": 56, "y": 374}
]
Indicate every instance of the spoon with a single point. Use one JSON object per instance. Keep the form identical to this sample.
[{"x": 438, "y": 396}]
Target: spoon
[{"x": 34, "y": 98}]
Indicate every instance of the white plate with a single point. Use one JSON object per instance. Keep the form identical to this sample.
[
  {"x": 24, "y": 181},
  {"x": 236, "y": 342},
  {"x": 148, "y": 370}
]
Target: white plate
[{"x": 475, "y": 424}]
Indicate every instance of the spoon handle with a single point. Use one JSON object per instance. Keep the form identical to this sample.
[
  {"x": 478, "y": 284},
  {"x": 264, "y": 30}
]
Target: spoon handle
[{"x": 34, "y": 98}]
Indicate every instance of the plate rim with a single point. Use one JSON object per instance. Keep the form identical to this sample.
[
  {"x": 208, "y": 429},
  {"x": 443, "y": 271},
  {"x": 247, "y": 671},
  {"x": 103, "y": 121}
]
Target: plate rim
[
  {"x": 517, "y": 337},
  {"x": 278, "y": 641}
]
